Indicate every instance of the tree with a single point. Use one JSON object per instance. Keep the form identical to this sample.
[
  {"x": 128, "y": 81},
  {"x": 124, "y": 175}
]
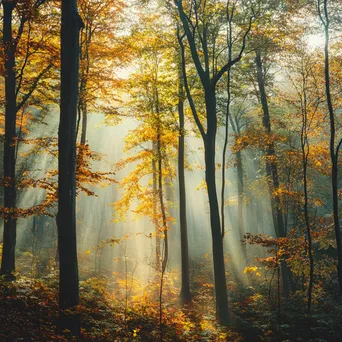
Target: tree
[
  {"x": 271, "y": 167},
  {"x": 185, "y": 293},
  {"x": 197, "y": 29},
  {"x": 309, "y": 99},
  {"x": 334, "y": 148},
  {"x": 154, "y": 103},
  {"x": 8, "y": 258},
  {"x": 71, "y": 24},
  {"x": 17, "y": 95}
]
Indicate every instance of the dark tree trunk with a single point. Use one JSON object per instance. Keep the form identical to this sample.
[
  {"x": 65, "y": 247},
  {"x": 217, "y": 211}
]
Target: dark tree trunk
[
  {"x": 272, "y": 168},
  {"x": 209, "y": 140},
  {"x": 66, "y": 220},
  {"x": 333, "y": 152},
  {"x": 10, "y": 223},
  {"x": 185, "y": 294},
  {"x": 271, "y": 164},
  {"x": 217, "y": 238}
]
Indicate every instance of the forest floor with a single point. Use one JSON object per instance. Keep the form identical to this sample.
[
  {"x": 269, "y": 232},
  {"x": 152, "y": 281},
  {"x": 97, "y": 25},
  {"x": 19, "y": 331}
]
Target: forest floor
[{"x": 29, "y": 311}]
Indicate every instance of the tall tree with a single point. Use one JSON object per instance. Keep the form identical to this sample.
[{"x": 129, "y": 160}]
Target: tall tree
[
  {"x": 334, "y": 148},
  {"x": 71, "y": 24},
  {"x": 197, "y": 29},
  {"x": 9, "y": 43},
  {"x": 185, "y": 294},
  {"x": 19, "y": 89}
]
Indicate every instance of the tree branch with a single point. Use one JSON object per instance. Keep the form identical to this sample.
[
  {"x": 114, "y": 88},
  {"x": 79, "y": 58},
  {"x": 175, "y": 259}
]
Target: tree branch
[
  {"x": 191, "y": 41},
  {"x": 230, "y": 63},
  {"x": 33, "y": 87},
  {"x": 186, "y": 86}
]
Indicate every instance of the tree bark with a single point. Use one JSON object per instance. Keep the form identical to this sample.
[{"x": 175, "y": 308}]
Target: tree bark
[
  {"x": 185, "y": 294},
  {"x": 66, "y": 221},
  {"x": 10, "y": 224},
  {"x": 333, "y": 151},
  {"x": 209, "y": 140},
  {"x": 217, "y": 238}
]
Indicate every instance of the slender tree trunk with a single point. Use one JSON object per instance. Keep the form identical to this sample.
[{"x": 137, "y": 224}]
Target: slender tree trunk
[
  {"x": 305, "y": 156},
  {"x": 84, "y": 56},
  {"x": 272, "y": 170},
  {"x": 305, "y": 153},
  {"x": 185, "y": 294},
  {"x": 10, "y": 223},
  {"x": 84, "y": 124},
  {"x": 165, "y": 251},
  {"x": 333, "y": 150},
  {"x": 66, "y": 221},
  {"x": 217, "y": 238},
  {"x": 209, "y": 140},
  {"x": 240, "y": 188},
  {"x": 271, "y": 164},
  {"x": 224, "y": 153},
  {"x": 154, "y": 191},
  {"x": 154, "y": 186}
]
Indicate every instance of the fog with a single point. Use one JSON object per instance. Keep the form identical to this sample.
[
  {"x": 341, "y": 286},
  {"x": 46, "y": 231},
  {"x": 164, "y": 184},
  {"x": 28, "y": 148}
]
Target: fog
[{"x": 106, "y": 245}]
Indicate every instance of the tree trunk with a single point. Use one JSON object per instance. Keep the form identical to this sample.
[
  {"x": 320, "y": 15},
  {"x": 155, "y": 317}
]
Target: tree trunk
[
  {"x": 84, "y": 124},
  {"x": 272, "y": 168},
  {"x": 10, "y": 223},
  {"x": 209, "y": 140},
  {"x": 240, "y": 188},
  {"x": 185, "y": 294},
  {"x": 154, "y": 191},
  {"x": 82, "y": 101},
  {"x": 305, "y": 153},
  {"x": 217, "y": 238},
  {"x": 333, "y": 152},
  {"x": 165, "y": 251},
  {"x": 68, "y": 279},
  {"x": 271, "y": 164}
]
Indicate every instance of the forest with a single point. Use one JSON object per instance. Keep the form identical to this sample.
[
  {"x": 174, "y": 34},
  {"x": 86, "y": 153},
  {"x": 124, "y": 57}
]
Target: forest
[{"x": 171, "y": 170}]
